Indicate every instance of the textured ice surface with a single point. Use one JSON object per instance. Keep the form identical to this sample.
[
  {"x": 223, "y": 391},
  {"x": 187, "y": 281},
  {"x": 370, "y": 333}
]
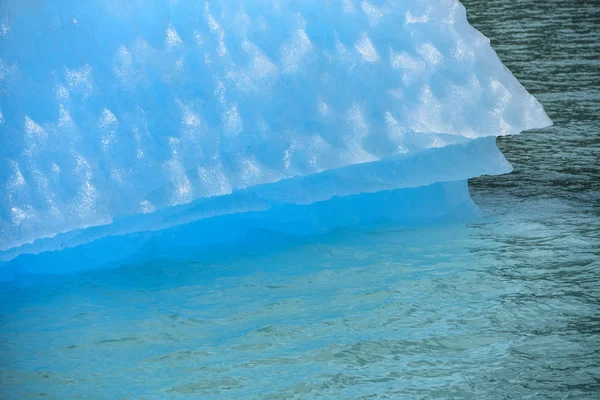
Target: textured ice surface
[{"x": 111, "y": 109}]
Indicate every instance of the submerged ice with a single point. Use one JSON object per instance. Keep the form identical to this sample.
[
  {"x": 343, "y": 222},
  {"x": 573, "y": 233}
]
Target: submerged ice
[{"x": 116, "y": 115}]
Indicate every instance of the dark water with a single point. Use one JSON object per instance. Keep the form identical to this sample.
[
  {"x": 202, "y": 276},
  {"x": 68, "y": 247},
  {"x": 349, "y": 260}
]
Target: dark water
[
  {"x": 504, "y": 308},
  {"x": 553, "y": 48}
]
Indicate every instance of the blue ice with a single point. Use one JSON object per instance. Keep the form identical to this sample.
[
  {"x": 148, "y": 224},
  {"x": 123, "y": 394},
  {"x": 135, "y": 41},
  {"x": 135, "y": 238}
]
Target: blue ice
[{"x": 147, "y": 128}]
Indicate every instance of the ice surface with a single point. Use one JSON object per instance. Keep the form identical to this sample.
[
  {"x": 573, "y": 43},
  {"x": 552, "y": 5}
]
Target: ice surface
[{"x": 118, "y": 114}]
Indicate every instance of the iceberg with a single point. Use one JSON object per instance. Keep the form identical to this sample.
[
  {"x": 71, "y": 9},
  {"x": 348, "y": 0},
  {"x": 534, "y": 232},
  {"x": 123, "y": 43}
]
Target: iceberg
[{"x": 131, "y": 130}]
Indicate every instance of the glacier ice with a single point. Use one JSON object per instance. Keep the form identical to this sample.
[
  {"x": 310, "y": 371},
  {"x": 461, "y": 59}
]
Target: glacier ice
[{"x": 123, "y": 123}]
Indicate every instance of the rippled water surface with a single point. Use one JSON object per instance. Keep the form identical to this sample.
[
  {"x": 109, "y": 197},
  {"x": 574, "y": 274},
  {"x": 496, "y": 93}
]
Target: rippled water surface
[{"x": 506, "y": 307}]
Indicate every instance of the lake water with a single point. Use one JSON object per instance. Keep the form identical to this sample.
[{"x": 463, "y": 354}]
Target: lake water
[{"x": 505, "y": 307}]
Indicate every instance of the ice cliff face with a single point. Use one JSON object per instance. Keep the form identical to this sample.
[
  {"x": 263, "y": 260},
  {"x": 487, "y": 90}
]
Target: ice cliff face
[{"x": 112, "y": 108}]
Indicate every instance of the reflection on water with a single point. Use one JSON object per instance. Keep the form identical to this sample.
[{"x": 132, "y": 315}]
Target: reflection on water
[{"x": 507, "y": 307}]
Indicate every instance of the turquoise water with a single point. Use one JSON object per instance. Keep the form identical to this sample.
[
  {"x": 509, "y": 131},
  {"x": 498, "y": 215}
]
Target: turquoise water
[{"x": 507, "y": 306}]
